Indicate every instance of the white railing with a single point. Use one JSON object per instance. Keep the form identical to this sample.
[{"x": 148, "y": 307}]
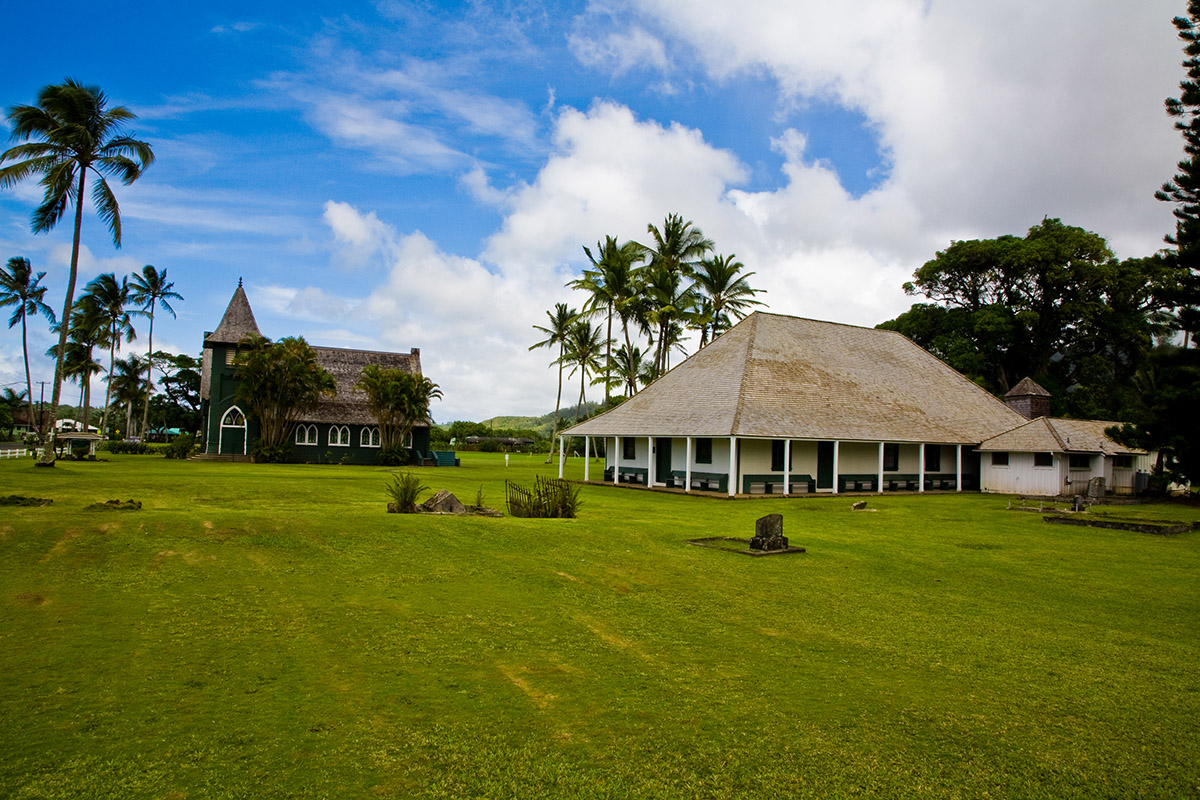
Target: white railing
[{"x": 21, "y": 453}]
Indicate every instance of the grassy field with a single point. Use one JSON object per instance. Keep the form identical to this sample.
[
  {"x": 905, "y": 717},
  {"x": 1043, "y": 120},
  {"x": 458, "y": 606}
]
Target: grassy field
[{"x": 267, "y": 631}]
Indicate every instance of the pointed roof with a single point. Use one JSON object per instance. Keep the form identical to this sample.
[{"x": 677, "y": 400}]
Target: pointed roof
[
  {"x": 1027, "y": 387},
  {"x": 1059, "y": 435},
  {"x": 237, "y": 323},
  {"x": 773, "y": 376}
]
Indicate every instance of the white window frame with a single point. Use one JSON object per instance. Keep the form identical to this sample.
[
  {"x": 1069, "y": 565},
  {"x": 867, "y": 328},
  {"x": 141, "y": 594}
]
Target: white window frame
[
  {"x": 339, "y": 436},
  {"x": 306, "y": 434},
  {"x": 369, "y": 437}
]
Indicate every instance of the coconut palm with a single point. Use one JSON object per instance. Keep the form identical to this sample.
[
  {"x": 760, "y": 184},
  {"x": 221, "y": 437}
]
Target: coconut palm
[
  {"x": 612, "y": 287},
  {"x": 21, "y": 288},
  {"x": 630, "y": 367},
  {"x": 582, "y": 350},
  {"x": 112, "y": 300},
  {"x": 676, "y": 252},
  {"x": 149, "y": 289},
  {"x": 88, "y": 331},
  {"x": 67, "y": 134},
  {"x": 560, "y": 321},
  {"x": 725, "y": 292},
  {"x": 128, "y": 389},
  {"x": 668, "y": 301}
]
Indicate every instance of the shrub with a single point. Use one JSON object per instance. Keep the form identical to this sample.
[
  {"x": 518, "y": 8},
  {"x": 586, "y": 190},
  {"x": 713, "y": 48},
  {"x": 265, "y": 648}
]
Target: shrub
[
  {"x": 271, "y": 453},
  {"x": 125, "y": 448},
  {"x": 395, "y": 456},
  {"x": 80, "y": 450},
  {"x": 404, "y": 490},
  {"x": 182, "y": 447}
]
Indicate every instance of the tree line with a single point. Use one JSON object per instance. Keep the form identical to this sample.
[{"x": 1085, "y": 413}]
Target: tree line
[{"x": 657, "y": 293}]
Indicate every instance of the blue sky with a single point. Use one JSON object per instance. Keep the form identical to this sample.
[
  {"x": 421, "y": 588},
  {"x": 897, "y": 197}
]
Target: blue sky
[{"x": 393, "y": 175}]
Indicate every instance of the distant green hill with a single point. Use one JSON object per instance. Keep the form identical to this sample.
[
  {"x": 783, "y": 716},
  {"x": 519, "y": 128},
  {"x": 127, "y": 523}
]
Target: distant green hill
[{"x": 543, "y": 424}]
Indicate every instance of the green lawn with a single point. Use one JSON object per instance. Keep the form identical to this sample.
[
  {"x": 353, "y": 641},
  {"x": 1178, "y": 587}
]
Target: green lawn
[{"x": 262, "y": 631}]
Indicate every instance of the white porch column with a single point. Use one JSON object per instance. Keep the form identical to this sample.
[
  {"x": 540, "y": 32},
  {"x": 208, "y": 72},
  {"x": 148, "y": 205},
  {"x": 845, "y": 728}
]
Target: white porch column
[
  {"x": 732, "y": 466},
  {"x": 687, "y": 468},
  {"x": 958, "y": 468},
  {"x": 650, "y": 459},
  {"x": 561, "y": 456},
  {"x": 587, "y": 460},
  {"x": 921, "y": 474},
  {"x": 787, "y": 466},
  {"x": 616, "y": 459},
  {"x": 881, "y": 467},
  {"x": 836, "y": 448}
]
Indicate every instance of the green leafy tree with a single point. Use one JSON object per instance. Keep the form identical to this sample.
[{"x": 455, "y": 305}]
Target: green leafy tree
[
  {"x": 128, "y": 390},
  {"x": 280, "y": 382},
  {"x": 1054, "y": 305},
  {"x": 152, "y": 290},
  {"x": 111, "y": 298},
  {"x": 68, "y": 134},
  {"x": 178, "y": 406},
  {"x": 398, "y": 400},
  {"x": 556, "y": 330},
  {"x": 21, "y": 288}
]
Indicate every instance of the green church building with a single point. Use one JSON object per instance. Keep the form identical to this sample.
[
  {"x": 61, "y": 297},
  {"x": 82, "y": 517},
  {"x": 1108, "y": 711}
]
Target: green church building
[{"x": 340, "y": 429}]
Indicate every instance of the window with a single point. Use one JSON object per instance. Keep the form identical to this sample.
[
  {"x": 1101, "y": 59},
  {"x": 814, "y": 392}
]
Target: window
[
  {"x": 628, "y": 448},
  {"x": 891, "y": 457},
  {"x": 1122, "y": 462},
  {"x": 234, "y": 418},
  {"x": 999, "y": 459},
  {"x": 704, "y": 451},
  {"x": 777, "y": 456},
  {"x": 1043, "y": 459},
  {"x": 339, "y": 436},
  {"x": 1081, "y": 461},
  {"x": 408, "y": 440},
  {"x": 933, "y": 458},
  {"x": 306, "y": 434},
  {"x": 369, "y": 437}
]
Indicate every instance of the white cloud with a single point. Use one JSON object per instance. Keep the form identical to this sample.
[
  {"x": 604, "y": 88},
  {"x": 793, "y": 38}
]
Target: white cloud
[{"x": 618, "y": 52}]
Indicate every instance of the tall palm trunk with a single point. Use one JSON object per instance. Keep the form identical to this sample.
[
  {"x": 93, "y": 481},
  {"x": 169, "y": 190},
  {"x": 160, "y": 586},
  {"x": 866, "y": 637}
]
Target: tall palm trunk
[
  {"x": 65, "y": 321},
  {"x": 149, "y": 372},
  {"x": 28, "y": 379},
  {"x": 112, "y": 360},
  {"x": 557, "y": 406}
]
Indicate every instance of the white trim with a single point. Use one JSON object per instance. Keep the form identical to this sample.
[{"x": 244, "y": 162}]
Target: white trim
[
  {"x": 687, "y": 467},
  {"x": 921, "y": 468},
  {"x": 881, "y": 467},
  {"x": 243, "y": 427},
  {"x": 587, "y": 444},
  {"x": 311, "y": 435},
  {"x": 787, "y": 466},
  {"x": 371, "y": 435},
  {"x": 343, "y": 435},
  {"x": 836, "y": 451},
  {"x": 958, "y": 468},
  {"x": 733, "y": 476}
]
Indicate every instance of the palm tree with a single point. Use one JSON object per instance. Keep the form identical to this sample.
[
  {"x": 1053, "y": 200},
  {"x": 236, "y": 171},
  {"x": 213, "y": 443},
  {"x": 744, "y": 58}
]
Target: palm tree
[
  {"x": 612, "y": 287},
  {"x": 111, "y": 298},
  {"x": 667, "y": 302},
  {"x": 630, "y": 367},
  {"x": 582, "y": 350},
  {"x": 556, "y": 332},
  {"x": 677, "y": 251},
  {"x": 127, "y": 387},
  {"x": 20, "y": 287},
  {"x": 151, "y": 289},
  {"x": 88, "y": 331},
  {"x": 69, "y": 133},
  {"x": 725, "y": 293}
]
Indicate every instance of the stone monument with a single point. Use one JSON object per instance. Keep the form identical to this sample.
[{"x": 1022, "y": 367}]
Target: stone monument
[{"x": 768, "y": 533}]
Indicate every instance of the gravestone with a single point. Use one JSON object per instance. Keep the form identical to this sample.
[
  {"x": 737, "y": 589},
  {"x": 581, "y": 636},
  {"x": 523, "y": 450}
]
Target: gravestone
[
  {"x": 768, "y": 533},
  {"x": 1095, "y": 490},
  {"x": 444, "y": 503}
]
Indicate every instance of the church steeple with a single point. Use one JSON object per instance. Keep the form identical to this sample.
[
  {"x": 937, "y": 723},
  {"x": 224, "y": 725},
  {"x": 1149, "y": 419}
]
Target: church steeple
[{"x": 238, "y": 321}]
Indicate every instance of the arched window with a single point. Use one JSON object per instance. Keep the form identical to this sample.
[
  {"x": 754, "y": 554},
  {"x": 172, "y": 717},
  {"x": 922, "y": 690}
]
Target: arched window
[
  {"x": 234, "y": 418},
  {"x": 306, "y": 434},
  {"x": 369, "y": 437},
  {"x": 339, "y": 436}
]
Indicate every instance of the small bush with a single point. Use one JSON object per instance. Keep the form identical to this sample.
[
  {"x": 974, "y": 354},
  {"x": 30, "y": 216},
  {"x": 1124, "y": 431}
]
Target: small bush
[
  {"x": 404, "y": 490},
  {"x": 271, "y": 454},
  {"x": 395, "y": 457},
  {"x": 81, "y": 450},
  {"x": 182, "y": 447},
  {"x": 126, "y": 448}
]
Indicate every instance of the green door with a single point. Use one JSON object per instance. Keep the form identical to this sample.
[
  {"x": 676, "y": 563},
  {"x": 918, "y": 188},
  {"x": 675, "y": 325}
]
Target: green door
[
  {"x": 824, "y": 465},
  {"x": 662, "y": 460}
]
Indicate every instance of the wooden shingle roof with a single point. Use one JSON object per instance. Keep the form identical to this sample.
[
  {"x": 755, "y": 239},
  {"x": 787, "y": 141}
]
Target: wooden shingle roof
[
  {"x": 1058, "y": 435},
  {"x": 237, "y": 323},
  {"x": 774, "y": 376},
  {"x": 346, "y": 366}
]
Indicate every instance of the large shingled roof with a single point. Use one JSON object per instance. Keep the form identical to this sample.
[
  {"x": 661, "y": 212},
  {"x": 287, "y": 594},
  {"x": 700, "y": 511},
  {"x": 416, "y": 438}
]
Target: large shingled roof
[
  {"x": 775, "y": 376},
  {"x": 237, "y": 323},
  {"x": 346, "y": 366}
]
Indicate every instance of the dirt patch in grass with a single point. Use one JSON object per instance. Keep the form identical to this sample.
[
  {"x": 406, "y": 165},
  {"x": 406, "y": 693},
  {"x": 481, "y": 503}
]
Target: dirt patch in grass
[
  {"x": 514, "y": 676},
  {"x": 60, "y": 547},
  {"x": 31, "y": 599}
]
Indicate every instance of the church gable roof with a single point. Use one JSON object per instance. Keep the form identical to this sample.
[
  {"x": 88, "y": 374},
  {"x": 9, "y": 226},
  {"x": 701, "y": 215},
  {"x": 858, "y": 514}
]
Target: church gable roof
[
  {"x": 774, "y": 376},
  {"x": 1027, "y": 387}
]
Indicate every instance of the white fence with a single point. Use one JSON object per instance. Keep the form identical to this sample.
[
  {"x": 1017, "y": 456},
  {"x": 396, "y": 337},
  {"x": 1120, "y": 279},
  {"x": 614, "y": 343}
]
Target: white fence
[{"x": 19, "y": 453}]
